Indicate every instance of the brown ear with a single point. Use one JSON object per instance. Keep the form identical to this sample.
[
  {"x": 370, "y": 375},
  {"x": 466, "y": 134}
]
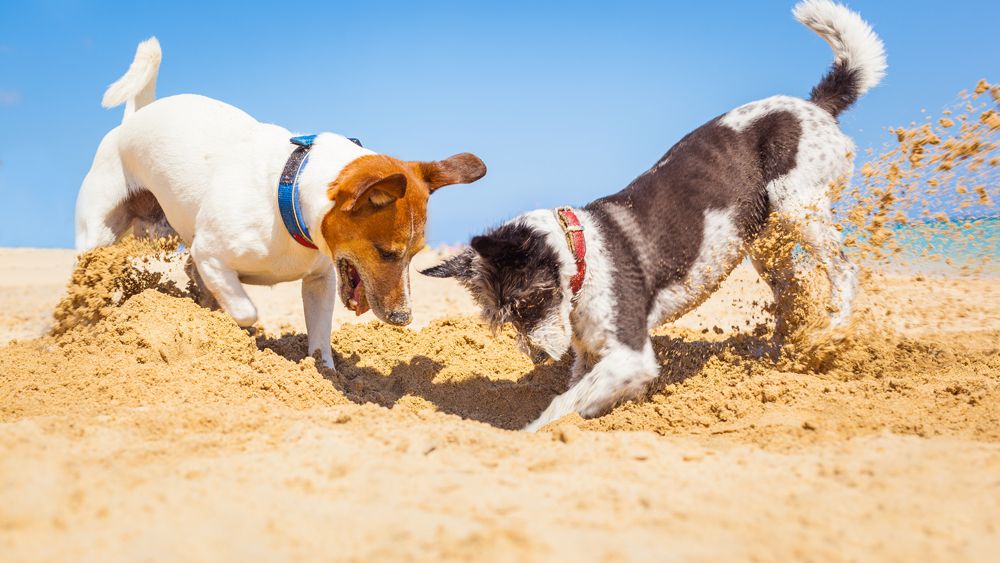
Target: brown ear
[
  {"x": 462, "y": 168},
  {"x": 373, "y": 178},
  {"x": 377, "y": 191}
]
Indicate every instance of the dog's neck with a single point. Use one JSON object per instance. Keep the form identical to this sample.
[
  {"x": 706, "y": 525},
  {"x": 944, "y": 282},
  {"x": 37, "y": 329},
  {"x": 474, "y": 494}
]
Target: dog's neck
[
  {"x": 598, "y": 273},
  {"x": 329, "y": 156}
]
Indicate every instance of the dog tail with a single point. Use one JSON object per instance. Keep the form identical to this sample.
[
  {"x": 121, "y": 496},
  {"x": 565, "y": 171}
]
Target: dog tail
[
  {"x": 858, "y": 54},
  {"x": 137, "y": 86}
]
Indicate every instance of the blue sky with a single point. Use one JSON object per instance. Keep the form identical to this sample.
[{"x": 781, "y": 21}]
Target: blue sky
[{"x": 564, "y": 102}]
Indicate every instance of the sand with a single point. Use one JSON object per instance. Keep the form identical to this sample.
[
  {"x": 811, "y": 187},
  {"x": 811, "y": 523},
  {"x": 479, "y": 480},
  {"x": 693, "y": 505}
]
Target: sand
[{"x": 163, "y": 430}]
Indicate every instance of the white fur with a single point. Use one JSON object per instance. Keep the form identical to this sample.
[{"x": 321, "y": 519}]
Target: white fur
[
  {"x": 801, "y": 198},
  {"x": 621, "y": 374},
  {"x": 604, "y": 370},
  {"x": 721, "y": 249},
  {"x": 554, "y": 333},
  {"x": 594, "y": 316},
  {"x": 214, "y": 170},
  {"x": 137, "y": 87},
  {"x": 853, "y": 41},
  {"x": 589, "y": 322}
]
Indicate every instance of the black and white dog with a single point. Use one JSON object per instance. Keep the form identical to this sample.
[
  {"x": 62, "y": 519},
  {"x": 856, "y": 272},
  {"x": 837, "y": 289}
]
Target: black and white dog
[{"x": 600, "y": 277}]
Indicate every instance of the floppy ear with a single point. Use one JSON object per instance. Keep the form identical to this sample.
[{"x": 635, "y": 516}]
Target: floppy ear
[
  {"x": 378, "y": 191},
  {"x": 458, "y": 266},
  {"x": 463, "y": 168}
]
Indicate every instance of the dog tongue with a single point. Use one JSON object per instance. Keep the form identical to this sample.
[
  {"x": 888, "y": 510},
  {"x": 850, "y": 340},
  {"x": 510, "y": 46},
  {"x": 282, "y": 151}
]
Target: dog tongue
[{"x": 358, "y": 294}]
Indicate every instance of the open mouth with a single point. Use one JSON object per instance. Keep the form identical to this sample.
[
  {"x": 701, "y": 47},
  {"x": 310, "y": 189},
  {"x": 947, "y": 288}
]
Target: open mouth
[{"x": 352, "y": 289}]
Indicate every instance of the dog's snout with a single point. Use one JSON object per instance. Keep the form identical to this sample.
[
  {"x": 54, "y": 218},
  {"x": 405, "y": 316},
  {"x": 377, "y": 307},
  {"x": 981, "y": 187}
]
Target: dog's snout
[{"x": 399, "y": 317}]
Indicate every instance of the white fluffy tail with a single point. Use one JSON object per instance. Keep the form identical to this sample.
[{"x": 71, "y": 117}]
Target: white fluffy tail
[
  {"x": 859, "y": 55},
  {"x": 137, "y": 86}
]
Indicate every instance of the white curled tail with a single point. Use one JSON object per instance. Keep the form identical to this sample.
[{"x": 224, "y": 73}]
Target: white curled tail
[
  {"x": 858, "y": 54},
  {"x": 137, "y": 87}
]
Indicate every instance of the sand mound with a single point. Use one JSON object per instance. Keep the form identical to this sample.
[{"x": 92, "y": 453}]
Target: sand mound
[
  {"x": 158, "y": 347},
  {"x": 107, "y": 277},
  {"x": 874, "y": 383},
  {"x": 154, "y": 349},
  {"x": 454, "y": 366}
]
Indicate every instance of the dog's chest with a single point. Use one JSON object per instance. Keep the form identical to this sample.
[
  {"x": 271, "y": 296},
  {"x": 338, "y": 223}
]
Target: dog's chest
[{"x": 259, "y": 264}]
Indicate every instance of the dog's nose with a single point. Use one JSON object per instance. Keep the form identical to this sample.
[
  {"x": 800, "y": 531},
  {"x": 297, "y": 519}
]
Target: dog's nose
[{"x": 399, "y": 318}]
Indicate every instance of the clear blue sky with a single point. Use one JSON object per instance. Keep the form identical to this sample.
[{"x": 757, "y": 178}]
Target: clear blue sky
[{"x": 565, "y": 102}]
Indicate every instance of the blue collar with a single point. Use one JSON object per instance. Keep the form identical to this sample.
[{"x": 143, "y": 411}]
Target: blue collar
[{"x": 288, "y": 190}]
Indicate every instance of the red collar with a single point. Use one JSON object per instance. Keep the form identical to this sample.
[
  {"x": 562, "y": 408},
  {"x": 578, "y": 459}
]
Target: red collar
[{"x": 573, "y": 230}]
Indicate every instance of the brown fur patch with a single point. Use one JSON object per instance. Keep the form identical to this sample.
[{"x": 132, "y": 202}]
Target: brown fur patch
[{"x": 379, "y": 216}]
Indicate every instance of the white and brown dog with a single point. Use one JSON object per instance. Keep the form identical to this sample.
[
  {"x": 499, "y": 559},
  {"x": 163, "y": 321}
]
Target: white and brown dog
[
  {"x": 257, "y": 205},
  {"x": 598, "y": 278}
]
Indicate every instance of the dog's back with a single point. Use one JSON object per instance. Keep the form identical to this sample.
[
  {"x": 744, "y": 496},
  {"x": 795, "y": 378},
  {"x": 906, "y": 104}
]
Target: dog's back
[{"x": 173, "y": 147}]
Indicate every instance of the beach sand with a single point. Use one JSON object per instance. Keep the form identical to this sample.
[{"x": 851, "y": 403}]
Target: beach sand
[{"x": 165, "y": 432}]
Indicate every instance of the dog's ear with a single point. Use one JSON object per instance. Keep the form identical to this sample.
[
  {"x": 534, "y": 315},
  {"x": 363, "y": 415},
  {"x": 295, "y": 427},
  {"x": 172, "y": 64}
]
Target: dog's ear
[
  {"x": 491, "y": 247},
  {"x": 375, "y": 179},
  {"x": 458, "y": 266},
  {"x": 378, "y": 192},
  {"x": 463, "y": 168}
]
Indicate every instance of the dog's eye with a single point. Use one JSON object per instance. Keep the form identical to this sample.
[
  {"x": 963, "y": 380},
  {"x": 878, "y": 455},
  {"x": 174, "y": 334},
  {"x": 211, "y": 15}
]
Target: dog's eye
[{"x": 388, "y": 255}]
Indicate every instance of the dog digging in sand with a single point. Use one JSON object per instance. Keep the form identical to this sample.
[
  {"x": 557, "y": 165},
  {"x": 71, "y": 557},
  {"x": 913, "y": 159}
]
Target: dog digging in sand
[
  {"x": 258, "y": 205},
  {"x": 598, "y": 278}
]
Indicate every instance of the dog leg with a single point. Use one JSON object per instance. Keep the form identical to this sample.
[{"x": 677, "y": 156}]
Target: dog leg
[
  {"x": 803, "y": 305},
  {"x": 318, "y": 296},
  {"x": 823, "y": 241},
  {"x": 583, "y": 361},
  {"x": 149, "y": 220},
  {"x": 225, "y": 285},
  {"x": 773, "y": 256},
  {"x": 102, "y": 213},
  {"x": 621, "y": 375}
]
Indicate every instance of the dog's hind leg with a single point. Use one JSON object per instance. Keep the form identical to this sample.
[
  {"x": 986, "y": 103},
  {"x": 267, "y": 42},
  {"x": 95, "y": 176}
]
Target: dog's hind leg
[
  {"x": 820, "y": 238},
  {"x": 823, "y": 241},
  {"x": 802, "y": 300},
  {"x": 782, "y": 263},
  {"x": 620, "y": 375},
  {"x": 149, "y": 220},
  {"x": 102, "y": 215}
]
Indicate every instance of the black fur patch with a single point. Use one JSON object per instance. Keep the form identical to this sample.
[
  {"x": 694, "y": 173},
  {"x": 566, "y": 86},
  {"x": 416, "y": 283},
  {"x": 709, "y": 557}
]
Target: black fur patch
[
  {"x": 512, "y": 273},
  {"x": 837, "y": 90},
  {"x": 713, "y": 167}
]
